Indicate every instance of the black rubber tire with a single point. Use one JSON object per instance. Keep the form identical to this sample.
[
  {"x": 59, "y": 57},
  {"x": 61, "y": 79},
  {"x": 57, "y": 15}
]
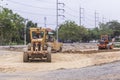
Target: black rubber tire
[
  {"x": 29, "y": 46},
  {"x": 49, "y": 49},
  {"x": 99, "y": 48},
  {"x": 108, "y": 47},
  {"x": 111, "y": 47},
  {"x": 25, "y": 57},
  {"x": 60, "y": 50},
  {"x": 49, "y": 57}
]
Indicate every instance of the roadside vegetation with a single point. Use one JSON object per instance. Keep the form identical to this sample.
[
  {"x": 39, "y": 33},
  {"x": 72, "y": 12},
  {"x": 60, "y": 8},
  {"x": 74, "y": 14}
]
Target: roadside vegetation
[
  {"x": 69, "y": 31},
  {"x": 12, "y": 29}
]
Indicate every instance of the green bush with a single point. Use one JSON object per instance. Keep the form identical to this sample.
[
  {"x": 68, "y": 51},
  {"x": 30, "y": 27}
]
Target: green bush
[{"x": 117, "y": 46}]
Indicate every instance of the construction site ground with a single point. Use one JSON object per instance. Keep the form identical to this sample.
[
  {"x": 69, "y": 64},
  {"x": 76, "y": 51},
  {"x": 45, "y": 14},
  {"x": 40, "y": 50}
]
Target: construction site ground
[{"x": 12, "y": 66}]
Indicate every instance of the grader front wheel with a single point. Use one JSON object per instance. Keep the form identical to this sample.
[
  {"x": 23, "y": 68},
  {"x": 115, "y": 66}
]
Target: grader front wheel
[
  {"x": 25, "y": 57},
  {"x": 48, "y": 54},
  {"x": 49, "y": 57}
]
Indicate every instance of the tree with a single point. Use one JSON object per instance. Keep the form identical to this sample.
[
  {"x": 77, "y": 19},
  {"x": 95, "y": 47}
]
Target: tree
[
  {"x": 11, "y": 23},
  {"x": 70, "y": 31},
  {"x": 115, "y": 27},
  {"x": 105, "y": 29},
  {"x": 94, "y": 33}
]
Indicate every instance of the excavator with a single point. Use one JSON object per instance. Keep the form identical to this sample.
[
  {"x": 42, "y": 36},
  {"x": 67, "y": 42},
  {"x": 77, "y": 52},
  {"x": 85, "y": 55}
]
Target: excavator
[
  {"x": 105, "y": 43},
  {"x": 42, "y": 45}
]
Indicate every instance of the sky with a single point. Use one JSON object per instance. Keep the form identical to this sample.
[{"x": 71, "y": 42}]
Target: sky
[{"x": 38, "y": 10}]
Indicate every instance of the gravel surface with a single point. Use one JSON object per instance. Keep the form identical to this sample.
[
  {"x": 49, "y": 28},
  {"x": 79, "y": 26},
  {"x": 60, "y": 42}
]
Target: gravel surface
[
  {"x": 64, "y": 66},
  {"x": 102, "y": 72}
]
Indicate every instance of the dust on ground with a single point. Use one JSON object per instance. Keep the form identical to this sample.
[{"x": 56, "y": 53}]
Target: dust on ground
[{"x": 12, "y": 61}]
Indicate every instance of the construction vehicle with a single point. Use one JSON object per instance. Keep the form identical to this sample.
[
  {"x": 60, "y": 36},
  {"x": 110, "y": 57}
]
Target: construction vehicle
[
  {"x": 41, "y": 45},
  {"x": 55, "y": 45},
  {"x": 105, "y": 43}
]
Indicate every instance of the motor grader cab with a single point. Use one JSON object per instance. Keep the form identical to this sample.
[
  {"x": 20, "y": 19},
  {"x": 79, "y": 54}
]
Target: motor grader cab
[
  {"x": 105, "y": 42},
  {"x": 38, "y": 48}
]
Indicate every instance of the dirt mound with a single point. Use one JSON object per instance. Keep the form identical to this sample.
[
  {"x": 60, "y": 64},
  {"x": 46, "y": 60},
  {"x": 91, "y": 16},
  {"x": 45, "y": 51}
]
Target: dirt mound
[
  {"x": 11, "y": 61},
  {"x": 89, "y": 51},
  {"x": 7, "y": 69}
]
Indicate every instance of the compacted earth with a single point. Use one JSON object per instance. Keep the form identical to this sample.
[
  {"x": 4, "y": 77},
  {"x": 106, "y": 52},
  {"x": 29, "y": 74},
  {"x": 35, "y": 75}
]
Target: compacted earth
[{"x": 64, "y": 66}]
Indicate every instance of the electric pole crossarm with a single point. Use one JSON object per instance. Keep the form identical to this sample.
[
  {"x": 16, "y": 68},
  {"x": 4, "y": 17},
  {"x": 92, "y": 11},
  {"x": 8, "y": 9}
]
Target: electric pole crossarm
[
  {"x": 61, "y": 4},
  {"x": 62, "y": 10},
  {"x": 62, "y": 15}
]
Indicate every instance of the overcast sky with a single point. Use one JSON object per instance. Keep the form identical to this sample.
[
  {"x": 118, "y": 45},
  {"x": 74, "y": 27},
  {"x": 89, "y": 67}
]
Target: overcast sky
[{"x": 37, "y": 10}]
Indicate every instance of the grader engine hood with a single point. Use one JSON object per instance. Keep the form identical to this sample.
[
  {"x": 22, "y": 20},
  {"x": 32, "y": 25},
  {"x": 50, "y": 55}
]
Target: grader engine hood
[{"x": 37, "y": 40}]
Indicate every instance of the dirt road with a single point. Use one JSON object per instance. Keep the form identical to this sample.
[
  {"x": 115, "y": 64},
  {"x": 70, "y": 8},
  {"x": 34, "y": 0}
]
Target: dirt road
[
  {"x": 102, "y": 72},
  {"x": 13, "y": 68},
  {"x": 11, "y": 61}
]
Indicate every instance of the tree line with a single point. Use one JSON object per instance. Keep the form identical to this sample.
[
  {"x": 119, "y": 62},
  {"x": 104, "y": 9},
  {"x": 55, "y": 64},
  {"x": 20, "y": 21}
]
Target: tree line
[
  {"x": 69, "y": 31},
  {"x": 12, "y": 29}
]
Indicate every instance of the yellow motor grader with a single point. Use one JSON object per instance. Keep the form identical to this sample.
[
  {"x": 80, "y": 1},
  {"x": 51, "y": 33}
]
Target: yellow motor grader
[{"x": 41, "y": 46}]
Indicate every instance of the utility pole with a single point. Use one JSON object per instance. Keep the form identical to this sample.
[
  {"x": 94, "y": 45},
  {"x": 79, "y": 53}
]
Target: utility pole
[
  {"x": 45, "y": 20},
  {"x": 96, "y": 18},
  {"x": 81, "y": 15},
  {"x": 25, "y": 31},
  {"x": 0, "y": 27},
  {"x": 57, "y": 19},
  {"x": 57, "y": 16},
  {"x": 103, "y": 19},
  {"x": 1, "y": 32}
]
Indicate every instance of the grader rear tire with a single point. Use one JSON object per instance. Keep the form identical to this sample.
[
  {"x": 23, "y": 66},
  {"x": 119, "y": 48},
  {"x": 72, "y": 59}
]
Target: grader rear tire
[
  {"x": 99, "y": 48},
  {"x": 49, "y": 49},
  {"x": 60, "y": 50},
  {"x": 29, "y": 46},
  {"x": 49, "y": 57},
  {"x": 108, "y": 47},
  {"x": 25, "y": 57},
  {"x": 48, "y": 54}
]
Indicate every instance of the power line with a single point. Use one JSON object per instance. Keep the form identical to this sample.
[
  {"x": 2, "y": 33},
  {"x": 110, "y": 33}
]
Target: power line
[
  {"x": 47, "y": 23},
  {"x": 89, "y": 19},
  {"x": 71, "y": 9},
  {"x": 45, "y": 1},
  {"x": 103, "y": 19},
  {"x": 90, "y": 24},
  {"x": 29, "y": 5},
  {"x": 71, "y": 15},
  {"x": 59, "y": 9},
  {"x": 32, "y": 13}
]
